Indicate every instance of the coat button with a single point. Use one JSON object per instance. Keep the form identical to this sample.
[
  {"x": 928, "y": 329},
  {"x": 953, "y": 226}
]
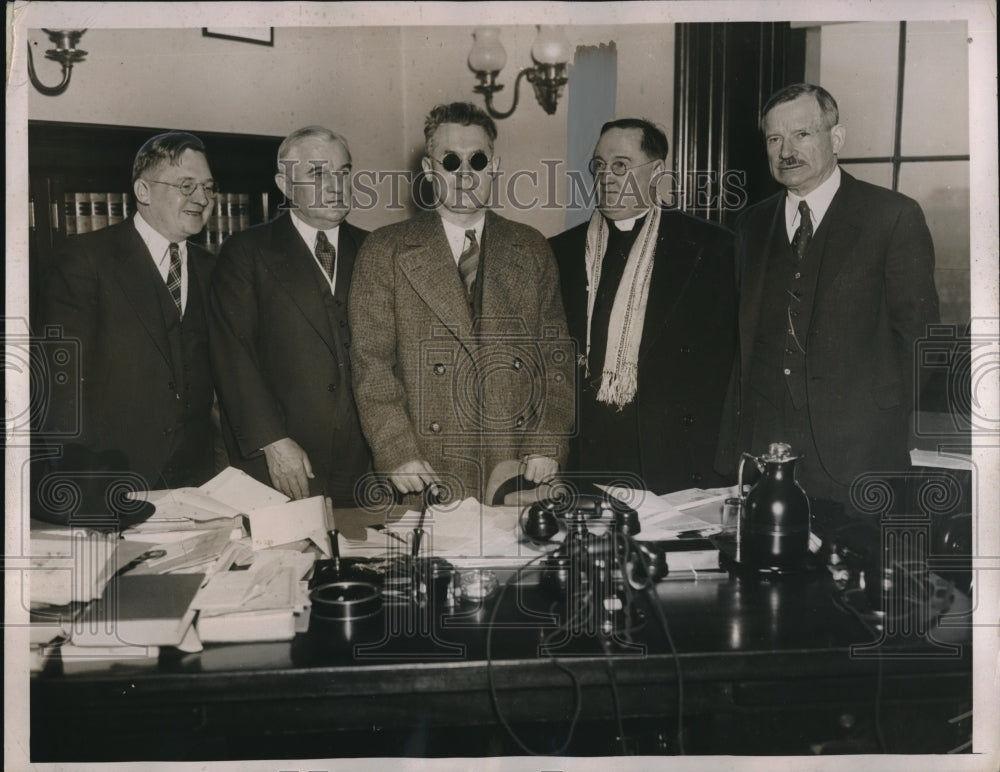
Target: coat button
[
  {"x": 438, "y": 369},
  {"x": 519, "y": 421},
  {"x": 798, "y": 275},
  {"x": 172, "y": 386},
  {"x": 331, "y": 387},
  {"x": 787, "y": 371},
  {"x": 343, "y": 323},
  {"x": 518, "y": 364},
  {"x": 435, "y": 427}
]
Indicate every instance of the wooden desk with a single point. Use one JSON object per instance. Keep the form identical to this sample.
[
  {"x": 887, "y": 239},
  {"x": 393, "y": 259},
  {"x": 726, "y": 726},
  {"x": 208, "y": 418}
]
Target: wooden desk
[{"x": 766, "y": 666}]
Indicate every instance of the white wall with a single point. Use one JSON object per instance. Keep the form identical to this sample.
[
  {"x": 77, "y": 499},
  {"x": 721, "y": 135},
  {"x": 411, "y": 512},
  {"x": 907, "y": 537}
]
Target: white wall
[{"x": 373, "y": 84}]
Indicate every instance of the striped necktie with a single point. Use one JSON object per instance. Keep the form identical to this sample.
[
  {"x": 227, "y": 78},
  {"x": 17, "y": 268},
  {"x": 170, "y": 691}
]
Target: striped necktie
[
  {"x": 174, "y": 276},
  {"x": 468, "y": 261}
]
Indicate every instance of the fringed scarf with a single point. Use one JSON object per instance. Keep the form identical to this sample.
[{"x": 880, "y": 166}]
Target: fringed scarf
[{"x": 619, "y": 373}]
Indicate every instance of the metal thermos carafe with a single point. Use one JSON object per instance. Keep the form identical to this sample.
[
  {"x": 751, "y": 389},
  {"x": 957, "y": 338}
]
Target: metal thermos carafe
[{"x": 775, "y": 530}]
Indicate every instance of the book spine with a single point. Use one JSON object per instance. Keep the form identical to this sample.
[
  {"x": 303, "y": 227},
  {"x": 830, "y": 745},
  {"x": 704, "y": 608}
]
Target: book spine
[
  {"x": 243, "y": 211},
  {"x": 215, "y": 224},
  {"x": 227, "y": 202},
  {"x": 69, "y": 213},
  {"x": 116, "y": 208},
  {"x": 128, "y": 206},
  {"x": 83, "y": 212},
  {"x": 98, "y": 211}
]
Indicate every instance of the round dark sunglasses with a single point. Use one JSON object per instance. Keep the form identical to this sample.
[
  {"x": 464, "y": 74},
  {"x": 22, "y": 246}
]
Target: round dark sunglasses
[{"x": 452, "y": 162}]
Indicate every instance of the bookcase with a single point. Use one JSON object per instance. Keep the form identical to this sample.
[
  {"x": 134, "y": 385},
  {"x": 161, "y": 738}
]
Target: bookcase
[{"x": 80, "y": 179}]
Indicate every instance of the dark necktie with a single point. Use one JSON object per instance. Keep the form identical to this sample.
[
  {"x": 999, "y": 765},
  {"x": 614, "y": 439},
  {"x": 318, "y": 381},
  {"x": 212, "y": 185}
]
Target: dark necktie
[
  {"x": 805, "y": 231},
  {"x": 174, "y": 276},
  {"x": 326, "y": 253},
  {"x": 468, "y": 261}
]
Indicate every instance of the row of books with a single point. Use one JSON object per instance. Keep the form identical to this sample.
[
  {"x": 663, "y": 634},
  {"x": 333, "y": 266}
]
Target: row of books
[{"x": 86, "y": 212}]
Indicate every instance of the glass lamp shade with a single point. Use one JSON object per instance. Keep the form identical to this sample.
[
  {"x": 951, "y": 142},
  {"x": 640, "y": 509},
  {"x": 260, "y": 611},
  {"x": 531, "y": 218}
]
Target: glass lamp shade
[
  {"x": 551, "y": 46},
  {"x": 487, "y": 54}
]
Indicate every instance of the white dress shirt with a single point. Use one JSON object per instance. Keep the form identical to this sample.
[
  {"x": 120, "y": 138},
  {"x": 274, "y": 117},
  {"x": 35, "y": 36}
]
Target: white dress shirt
[
  {"x": 159, "y": 249},
  {"x": 818, "y": 201},
  {"x": 456, "y": 236},
  {"x": 308, "y": 234}
]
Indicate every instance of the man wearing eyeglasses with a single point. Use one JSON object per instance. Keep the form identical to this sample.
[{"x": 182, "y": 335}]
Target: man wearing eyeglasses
[
  {"x": 650, "y": 299},
  {"x": 457, "y": 328},
  {"x": 279, "y": 332},
  {"x": 135, "y": 296}
]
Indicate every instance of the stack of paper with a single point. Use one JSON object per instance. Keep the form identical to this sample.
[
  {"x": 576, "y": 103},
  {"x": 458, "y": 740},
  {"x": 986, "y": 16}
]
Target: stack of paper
[
  {"x": 216, "y": 504},
  {"x": 74, "y": 565},
  {"x": 144, "y": 610},
  {"x": 267, "y": 602}
]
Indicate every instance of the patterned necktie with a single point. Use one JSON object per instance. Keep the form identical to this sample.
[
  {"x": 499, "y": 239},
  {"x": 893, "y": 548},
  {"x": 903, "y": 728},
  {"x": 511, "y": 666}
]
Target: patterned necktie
[
  {"x": 326, "y": 253},
  {"x": 468, "y": 262},
  {"x": 805, "y": 231},
  {"x": 174, "y": 276}
]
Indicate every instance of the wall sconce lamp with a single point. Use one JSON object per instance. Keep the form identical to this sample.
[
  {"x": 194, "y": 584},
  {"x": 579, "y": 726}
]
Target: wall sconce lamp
[
  {"x": 65, "y": 53},
  {"x": 550, "y": 53}
]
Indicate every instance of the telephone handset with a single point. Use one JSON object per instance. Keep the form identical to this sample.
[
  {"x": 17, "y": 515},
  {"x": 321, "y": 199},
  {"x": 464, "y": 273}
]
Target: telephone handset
[{"x": 540, "y": 521}]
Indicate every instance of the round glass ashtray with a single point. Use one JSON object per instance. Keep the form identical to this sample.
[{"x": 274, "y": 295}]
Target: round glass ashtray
[
  {"x": 345, "y": 600},
  {"x": 477, "y": 584}
]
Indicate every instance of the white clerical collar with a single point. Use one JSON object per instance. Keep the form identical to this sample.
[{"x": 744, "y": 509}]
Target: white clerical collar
[{"x": 629, "y": 222}]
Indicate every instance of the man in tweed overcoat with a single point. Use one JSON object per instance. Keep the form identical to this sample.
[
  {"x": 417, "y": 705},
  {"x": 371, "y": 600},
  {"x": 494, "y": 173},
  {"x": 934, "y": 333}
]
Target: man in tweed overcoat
[{"x": 460, "y": 352}]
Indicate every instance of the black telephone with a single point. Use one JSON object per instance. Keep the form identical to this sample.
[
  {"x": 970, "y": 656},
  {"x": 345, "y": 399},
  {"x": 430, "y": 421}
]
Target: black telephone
[{"x": 540, "y": 521}]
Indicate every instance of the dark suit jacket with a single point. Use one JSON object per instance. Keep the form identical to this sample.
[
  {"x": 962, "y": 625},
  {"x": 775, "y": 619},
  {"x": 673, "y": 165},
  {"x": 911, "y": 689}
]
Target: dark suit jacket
[
  {"x": 281, "y": 356},
  {"x": 688, "y": 341},
  {"x": 874, "y": 297},
  {"x": 135, "y": 396},
  {"x": 427, "y": 386}
]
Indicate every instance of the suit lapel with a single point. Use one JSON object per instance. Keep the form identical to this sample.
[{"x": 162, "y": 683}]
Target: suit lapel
[
  {"x": 348, "y": 244},
  {"x": 294, "y": 269},
  {"x": 840, "y": 224},
  {"x": 136, "y": 275},
  {"x": 504, "y": 263},
  {"x": 754, "y": 250},
  {"x": 674, "y": 262},
  {"x": 426, "y": 260}
]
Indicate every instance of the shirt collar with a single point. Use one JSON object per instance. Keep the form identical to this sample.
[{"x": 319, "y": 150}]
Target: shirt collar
[
  {"x": 157, "y": 244},
  {"x": 308, "y": 232},
  {"x": 454, "y": 232},
  {"x": 628, "y": 223},
  {"x": 818, "y": 200}
]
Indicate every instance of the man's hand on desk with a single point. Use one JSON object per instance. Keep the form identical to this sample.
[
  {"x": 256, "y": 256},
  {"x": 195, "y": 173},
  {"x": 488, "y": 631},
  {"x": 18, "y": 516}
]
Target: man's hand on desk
[
  {"x": 413, "y": 476},
  {"x": 289, "y": 467},
  {"x": 539, "y": 469}
]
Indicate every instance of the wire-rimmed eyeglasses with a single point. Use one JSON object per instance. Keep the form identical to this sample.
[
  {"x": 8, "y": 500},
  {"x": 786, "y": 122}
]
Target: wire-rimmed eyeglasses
[
  {"x": 188, "y": 187},
  {"x": 617, "y": 168}
]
